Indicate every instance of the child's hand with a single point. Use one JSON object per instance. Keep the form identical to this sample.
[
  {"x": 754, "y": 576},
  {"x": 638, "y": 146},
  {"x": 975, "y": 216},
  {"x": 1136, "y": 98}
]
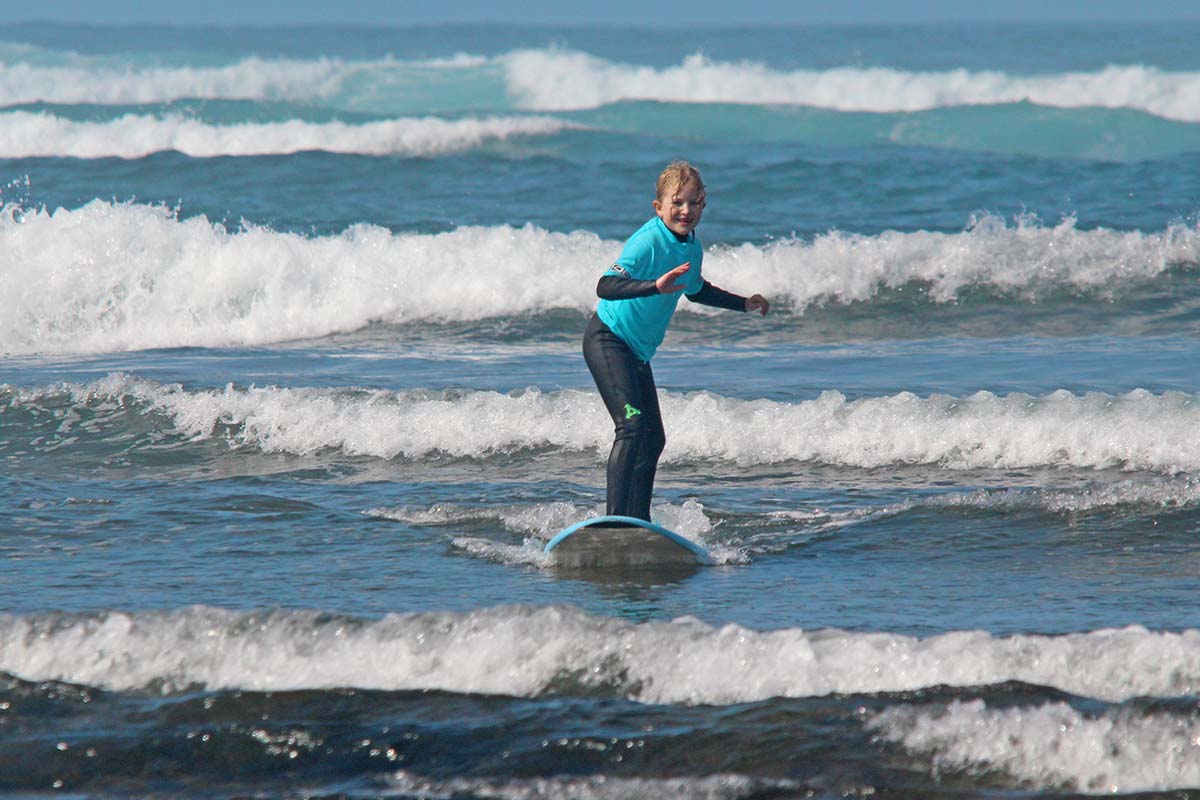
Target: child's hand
[
  {"x": 756, "y": 302},
  {"x": 667, "y": 283}
]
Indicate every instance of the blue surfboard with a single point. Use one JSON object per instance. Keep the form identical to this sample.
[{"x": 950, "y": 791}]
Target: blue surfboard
[{"x": 624, "y": 542}]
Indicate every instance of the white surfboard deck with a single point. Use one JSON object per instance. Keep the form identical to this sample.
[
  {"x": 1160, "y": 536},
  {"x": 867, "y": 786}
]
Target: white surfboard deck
[{"x": 622, "y": 542}]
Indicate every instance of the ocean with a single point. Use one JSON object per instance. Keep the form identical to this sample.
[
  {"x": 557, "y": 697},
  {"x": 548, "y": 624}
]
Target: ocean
[{"x": 292, "y": 398}]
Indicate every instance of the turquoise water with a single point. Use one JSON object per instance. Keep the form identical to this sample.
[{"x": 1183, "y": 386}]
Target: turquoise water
[{"x": 292, "y": 398}]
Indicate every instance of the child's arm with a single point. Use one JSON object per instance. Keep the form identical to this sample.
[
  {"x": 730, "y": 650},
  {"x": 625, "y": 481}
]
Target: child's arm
[
  {"x": 622, "y": 287},
  {"x": 717, "y": 297},
  {"x": 618, "y": 287}
]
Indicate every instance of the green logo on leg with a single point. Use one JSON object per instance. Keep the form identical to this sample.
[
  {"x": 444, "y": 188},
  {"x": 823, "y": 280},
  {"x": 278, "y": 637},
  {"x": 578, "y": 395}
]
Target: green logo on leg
[{"x": 631, "y": 412}]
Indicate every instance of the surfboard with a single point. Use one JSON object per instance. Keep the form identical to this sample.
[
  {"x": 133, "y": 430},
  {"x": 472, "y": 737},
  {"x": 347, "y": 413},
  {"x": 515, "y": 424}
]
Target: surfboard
[{"x": 622, "y": 542}]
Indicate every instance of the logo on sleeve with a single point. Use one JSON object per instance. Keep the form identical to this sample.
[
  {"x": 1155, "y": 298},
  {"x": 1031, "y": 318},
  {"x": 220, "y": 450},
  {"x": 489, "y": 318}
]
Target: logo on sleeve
[{"x": 631, "y": 412}]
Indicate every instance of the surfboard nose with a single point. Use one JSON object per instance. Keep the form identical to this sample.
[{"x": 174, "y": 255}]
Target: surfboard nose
[{"x": 622, "y": 542}]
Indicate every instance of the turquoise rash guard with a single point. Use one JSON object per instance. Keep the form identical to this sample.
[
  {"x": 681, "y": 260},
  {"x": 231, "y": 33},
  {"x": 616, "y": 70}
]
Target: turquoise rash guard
[{"x": 651, "y": 252}]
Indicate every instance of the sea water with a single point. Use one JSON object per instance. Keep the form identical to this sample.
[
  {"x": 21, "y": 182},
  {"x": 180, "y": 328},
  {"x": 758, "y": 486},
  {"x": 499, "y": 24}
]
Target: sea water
[{"x": 292, "y": 398}]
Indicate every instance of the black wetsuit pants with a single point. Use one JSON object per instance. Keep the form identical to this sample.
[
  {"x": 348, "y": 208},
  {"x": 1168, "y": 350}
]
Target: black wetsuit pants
[{"x": 627, "y": 387}]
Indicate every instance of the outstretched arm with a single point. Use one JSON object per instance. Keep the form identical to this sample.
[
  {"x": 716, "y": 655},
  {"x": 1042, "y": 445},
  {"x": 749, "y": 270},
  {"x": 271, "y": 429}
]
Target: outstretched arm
[
  {"x": 622, "y": 287},
  {"x": 717, "y": 297},
  {"x": 618, "y": 287}
]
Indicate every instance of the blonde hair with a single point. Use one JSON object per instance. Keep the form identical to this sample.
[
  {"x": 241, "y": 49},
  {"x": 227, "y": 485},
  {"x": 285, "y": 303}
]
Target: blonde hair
[{"x": 677, "y": 175}]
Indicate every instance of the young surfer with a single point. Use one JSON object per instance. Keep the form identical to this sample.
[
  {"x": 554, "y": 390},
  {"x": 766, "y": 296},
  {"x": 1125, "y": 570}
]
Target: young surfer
[{"x": 638, "y": 295}]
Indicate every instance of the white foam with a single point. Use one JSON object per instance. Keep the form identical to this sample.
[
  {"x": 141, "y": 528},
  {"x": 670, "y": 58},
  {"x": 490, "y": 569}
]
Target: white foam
[
  {"x": 597, "y": 787},
  {"x": 114, "y": 277},
  {"x": 563, "y": 79},
  {"x": 1133, "y": 431},
  {"x": 80, "y": 79},
  {"x": 27, "y": 135},
  {"x": 1023, "y": 259},
  {"x": 440, "y": 514},
  {"x": 1137, "y": 430},
  {"x": 109, "y": 277},
  {"x": 542, "y": 521},
  {"x": 1122, "y": 751},
  {"x": 529, "y": 552},
  {"x": 524, "y": 651}
]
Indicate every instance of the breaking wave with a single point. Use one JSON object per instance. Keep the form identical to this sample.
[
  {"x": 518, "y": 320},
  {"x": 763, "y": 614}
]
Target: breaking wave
[
  {"x": 529, "y": 651},
  {"x": 1138, "y": 430},
  {"x": 110, "y": 277},
  {"x": 557, "y": 79}
]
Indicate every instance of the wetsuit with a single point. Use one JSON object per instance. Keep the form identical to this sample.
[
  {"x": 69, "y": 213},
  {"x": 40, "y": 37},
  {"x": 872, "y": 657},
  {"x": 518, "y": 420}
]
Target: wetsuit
[{"x": 622, "y": 336}]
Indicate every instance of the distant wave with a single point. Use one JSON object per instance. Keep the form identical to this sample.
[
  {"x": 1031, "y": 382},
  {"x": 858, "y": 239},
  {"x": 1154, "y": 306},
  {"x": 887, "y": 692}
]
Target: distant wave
[
  {"x": 1133, "y": 431},
  {"x": 528, "y": 651},
  {"x": 84, "y": 80},
  {"x": 558, "y": 79},
  {"x": 108, "y": 277},
  {"x": 1105, "y": 134},
  {"x": 27, "y": 135},
  {"x": 552, "y": 79}
]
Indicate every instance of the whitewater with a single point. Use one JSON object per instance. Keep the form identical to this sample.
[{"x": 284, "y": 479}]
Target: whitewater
[
  {"x": 112, "y": 276},
  {"x": 1142, "y": 431},
  {"x": 483, "y": 652}
]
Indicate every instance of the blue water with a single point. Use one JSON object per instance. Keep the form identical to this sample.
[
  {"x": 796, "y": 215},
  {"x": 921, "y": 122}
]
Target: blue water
[{"x": 292, "y": 398}]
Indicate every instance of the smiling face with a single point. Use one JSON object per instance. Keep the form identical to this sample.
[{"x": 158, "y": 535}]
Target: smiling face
[{"x": 681, "y": 207}]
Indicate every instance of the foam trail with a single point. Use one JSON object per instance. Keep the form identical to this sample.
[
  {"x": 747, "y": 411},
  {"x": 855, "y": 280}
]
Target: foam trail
[
  {"x": 1134, "y": 431},
  {"x": 29, "y": 135},
  {"x": 558, "y": 79},
  {"x": 108, "y": 277},
  {"x": 1120, "y": 752},
  {"x": 524, "y": 651}
]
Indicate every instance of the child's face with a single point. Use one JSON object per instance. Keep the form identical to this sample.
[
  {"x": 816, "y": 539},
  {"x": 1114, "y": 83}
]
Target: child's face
[{"x": 680, "y": 210}]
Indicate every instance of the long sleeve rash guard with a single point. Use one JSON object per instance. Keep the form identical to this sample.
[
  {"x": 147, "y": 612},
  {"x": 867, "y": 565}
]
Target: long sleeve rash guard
[{"x": 618, "y": 287}]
